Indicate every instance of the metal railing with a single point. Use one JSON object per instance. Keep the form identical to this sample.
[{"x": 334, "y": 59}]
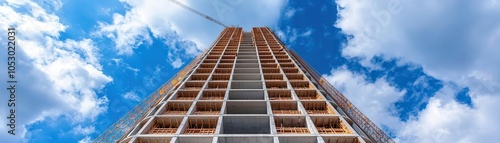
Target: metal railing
[{"x": 363, "y": 122}]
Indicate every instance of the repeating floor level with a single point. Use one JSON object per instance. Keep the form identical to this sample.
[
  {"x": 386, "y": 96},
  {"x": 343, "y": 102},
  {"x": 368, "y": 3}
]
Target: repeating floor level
[{"x": 249, "y": 88}]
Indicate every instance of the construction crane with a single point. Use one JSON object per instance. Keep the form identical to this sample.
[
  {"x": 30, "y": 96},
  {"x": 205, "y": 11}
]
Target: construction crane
[{"x": 199, "y": 13}]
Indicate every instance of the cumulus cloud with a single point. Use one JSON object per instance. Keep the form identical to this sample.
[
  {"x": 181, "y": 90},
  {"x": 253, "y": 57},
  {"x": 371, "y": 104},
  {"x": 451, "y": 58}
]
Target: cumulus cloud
[
  {"x": 453, "y": 41},
  {"x": 54, "y": 77},
  {"x": 375, "y": 99},
  {"x": 131, "y": 95}
]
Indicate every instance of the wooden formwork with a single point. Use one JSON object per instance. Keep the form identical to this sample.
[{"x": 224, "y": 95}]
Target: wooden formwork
[
  {"x": 213, "y": 95},
  {"x": 203, "y": 70},
  {"x": 265, "y": 57},
  {"x": 212, "y": 57},
  {"x": 269, "y": 65},
  {"x": 228, "y": 57},
  {"x": 146, "y": 140},
  {"x": 177, "y": 108},
  {"x": 193, "y": 85},
  {"x": 341, "y": 140},
  {"x": 270, "y": 70},
  {"x": 225, "y": 66},
  {"x": 210, "y": 61},
  {"x": 329, "y": 125},
  {"x": 290, "y": 70},
  {"x": 208, "y": 65},
  {"x": 227, "y": 61},
  {"x": 308, "y": 94},
  {"x": 165, "y": 126},
  {"x": 223, "y": 70},
  {"x": 281, "y": 57},
  {"x": 284, "y": 108},
  {"x": 279, "y": 94},
  {"x": 284, "y": 61},
  {"x": 276, "y": 85},
  {"x": 261, "y": 53},
  {"x": 186, "y": 94},
  {"x": 201, "y": 126},
  {"x": 318, "y": 108},
  {"x": 295, "y": 77},
  {"x": 287, "y": 65},
  {"x": 267, "y": 61},
  {"x": 199, "y": 77},
  {"x": 217, "y": 85},
  {"x": 208, "y": 108},
  {"x": 291, "y": 125},
  {"x": 221, "y": 77},
  {"x": 230, "y": 52},
  {"x": 273, "y": 76},
  {"x": 301, "y": 85}
]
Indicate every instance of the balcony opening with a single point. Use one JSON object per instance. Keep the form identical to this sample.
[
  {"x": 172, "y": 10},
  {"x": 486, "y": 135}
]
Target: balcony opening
[
  {"x": 238, "y": 107},
  {"x": 223, "y": 77},
  {"x": 279, "y": 95},
  {"x": 165, "y": 126},
  {"x": 273, "y": 77},
  {"x": 308, "y": 95},
  {"x": 199, "y": 77},
  {"x": 207, "y": 108},
  {"x": 276, "y": 85},
  {"x": 205, "y": 125},
  {"x": 225, "y": 66},
  {"x": 269, "y": 65},
  {"x": 177, "y": 108},
  {"x": 317, "y": 107},
  {"x": 330, "y": 125},
  {"x": 246, "y": 85},
  {"x": 291, "y": 125},
  {"x": 285, "y": 108},
  {"x": 246, "y": 95},
  {"x": 193, "y": 85},
  {"x": 186, "y": 95},
  {"x": 203, "y": 70},
  {"x": 223, "y": 71},
  {"x": 246, "y": 125},
  {"x": 246, "y": 76},
  {"x": 337, "y": 139},
  {"x": 291, "y": 70},
  {"x": 295, "y": 77},
  {"x": 213, "y": 95},
  {"x": 207, "y": 65},
  {"x": 270, "y": 70},
  {"x": 217, "y": 85}
]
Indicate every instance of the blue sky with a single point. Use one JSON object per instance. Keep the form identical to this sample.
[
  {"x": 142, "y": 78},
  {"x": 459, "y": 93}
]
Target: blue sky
[{"x": 424, "y": 71}]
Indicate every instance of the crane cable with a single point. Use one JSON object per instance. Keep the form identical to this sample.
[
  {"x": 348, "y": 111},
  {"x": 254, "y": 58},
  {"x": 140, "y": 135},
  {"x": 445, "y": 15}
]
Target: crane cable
[{"x": 199, "y": 13}]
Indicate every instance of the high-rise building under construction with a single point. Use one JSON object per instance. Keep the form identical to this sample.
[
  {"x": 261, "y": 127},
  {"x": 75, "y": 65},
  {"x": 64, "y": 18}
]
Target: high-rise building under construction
[{"x": 246, "y": 88}]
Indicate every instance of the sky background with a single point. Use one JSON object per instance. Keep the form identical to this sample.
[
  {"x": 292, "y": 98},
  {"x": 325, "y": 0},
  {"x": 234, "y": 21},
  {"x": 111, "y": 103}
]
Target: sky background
[{"x": 423, "y": 71}]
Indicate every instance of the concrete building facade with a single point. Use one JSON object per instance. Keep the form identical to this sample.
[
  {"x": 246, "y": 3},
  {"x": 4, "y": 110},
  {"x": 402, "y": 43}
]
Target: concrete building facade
[{"x": 247, "y": 88}]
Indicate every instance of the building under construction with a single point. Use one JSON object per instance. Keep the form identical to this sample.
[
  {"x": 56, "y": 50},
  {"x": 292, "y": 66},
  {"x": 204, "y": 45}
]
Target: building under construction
[{"x": 248, "y": 87}]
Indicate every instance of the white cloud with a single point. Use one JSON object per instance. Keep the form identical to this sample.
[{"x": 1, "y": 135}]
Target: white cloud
[
  {"x": 307, "y": 33},
  {"x": 177, "y": 63},
  {"x": 375, "y": 100},
  {"x": 453, "y": 41},
  {"x": 174, "y": 24},
  {"x": 85, "y": 140},
  {"x": 290, "y": 12},
  {"x": 55, "y": 77},
  {"x": 79, "y": 130},
  {"x": 120, "y": 63},
  {"x": 131, "y": 95},
  {"x": 290, "y": 34}
]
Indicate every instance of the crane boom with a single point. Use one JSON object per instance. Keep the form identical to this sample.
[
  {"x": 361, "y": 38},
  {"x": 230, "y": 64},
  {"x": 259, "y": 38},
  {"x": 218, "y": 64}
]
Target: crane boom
[{"x": 199, "y": 13}]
